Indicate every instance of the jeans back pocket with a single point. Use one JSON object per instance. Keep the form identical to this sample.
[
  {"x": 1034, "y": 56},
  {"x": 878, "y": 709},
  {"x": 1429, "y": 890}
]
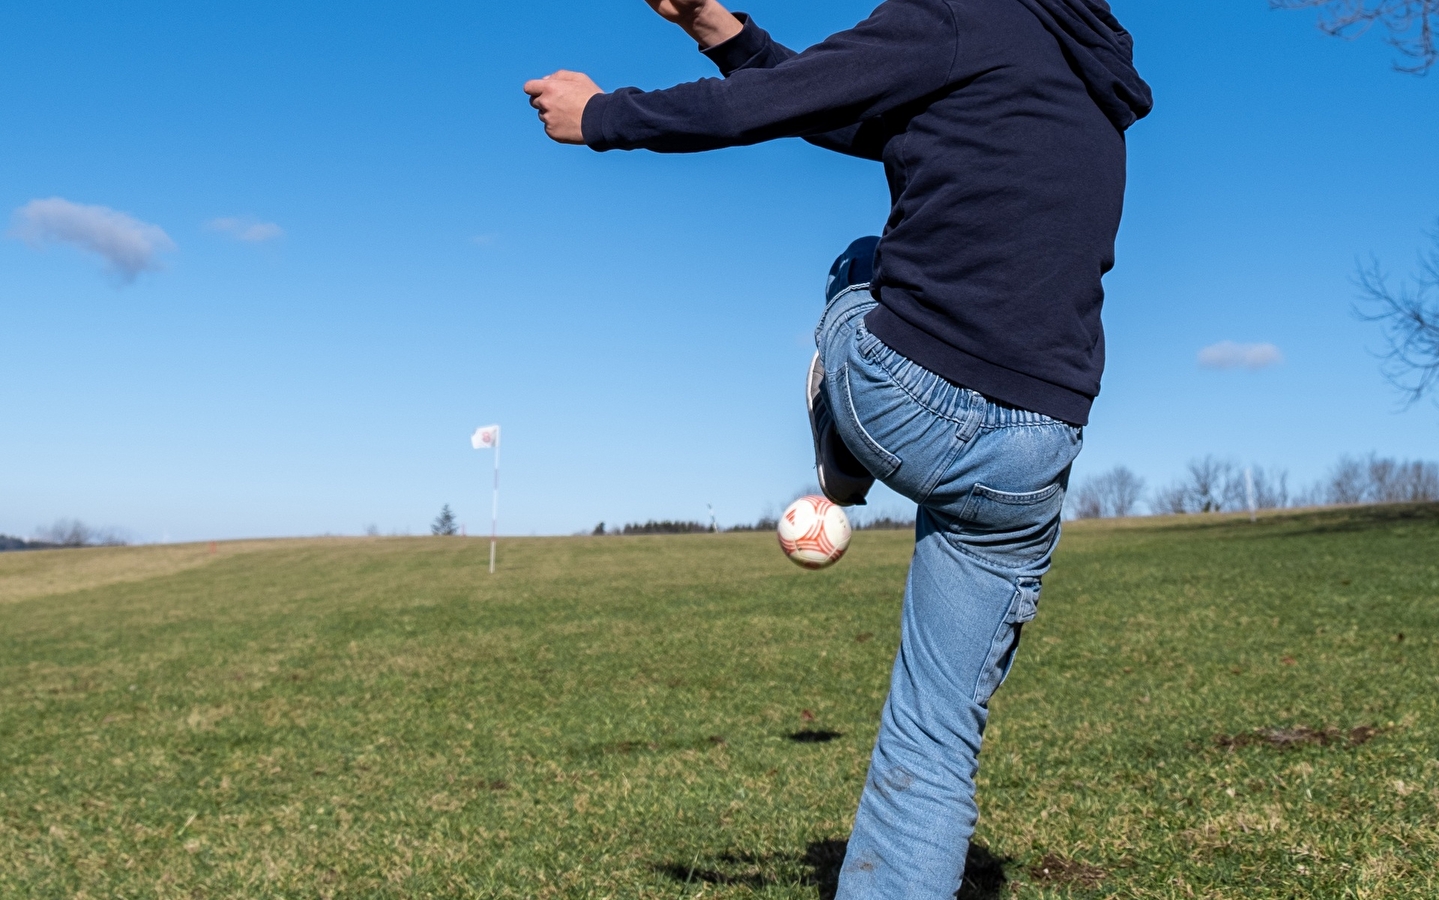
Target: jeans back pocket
[{"x": 1016, "y": 530}]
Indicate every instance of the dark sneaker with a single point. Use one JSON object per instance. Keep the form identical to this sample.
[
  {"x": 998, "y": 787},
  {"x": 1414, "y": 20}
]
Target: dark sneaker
[{"x": 844, "y": 480}]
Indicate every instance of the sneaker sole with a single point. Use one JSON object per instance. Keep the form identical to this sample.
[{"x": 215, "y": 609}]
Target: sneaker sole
[{"x": 812, "y": 387}]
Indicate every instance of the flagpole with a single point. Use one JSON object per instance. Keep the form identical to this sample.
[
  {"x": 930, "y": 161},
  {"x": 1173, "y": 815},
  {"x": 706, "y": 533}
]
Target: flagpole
[
  {"x": 488, "y": 438},
  {"x": 495, "y": 507},
  {"x": 1249, "y": 494}
]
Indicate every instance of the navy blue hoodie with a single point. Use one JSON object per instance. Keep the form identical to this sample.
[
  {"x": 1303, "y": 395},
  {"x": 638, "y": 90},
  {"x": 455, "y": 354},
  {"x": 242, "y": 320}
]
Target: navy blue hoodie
[{"x": 1001, "y": 127}]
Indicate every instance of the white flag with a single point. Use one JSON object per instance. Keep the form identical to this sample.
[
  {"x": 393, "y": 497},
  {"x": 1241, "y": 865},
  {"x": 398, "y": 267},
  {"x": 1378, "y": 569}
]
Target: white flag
[{"x": 487, "y": 438}]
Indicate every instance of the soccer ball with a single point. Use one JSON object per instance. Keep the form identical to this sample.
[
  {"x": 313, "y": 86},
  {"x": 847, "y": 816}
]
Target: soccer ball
[{"x": 814, "y": 533}]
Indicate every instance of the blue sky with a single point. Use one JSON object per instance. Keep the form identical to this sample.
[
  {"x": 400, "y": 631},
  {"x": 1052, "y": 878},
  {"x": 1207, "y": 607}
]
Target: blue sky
[{"x": 426, "y": 262}]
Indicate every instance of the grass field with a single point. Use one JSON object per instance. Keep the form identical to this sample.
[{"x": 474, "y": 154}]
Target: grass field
[{"x": 1204, "y": 708}]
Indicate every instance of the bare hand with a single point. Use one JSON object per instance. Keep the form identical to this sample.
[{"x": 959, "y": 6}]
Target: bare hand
[
  {"x": 677, "y": 10},
  {"x": 707, "y": 21},
  {"x": 561, "y": 99}
]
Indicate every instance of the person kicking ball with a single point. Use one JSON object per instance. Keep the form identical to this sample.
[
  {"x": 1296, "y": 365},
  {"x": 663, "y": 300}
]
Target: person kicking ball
[{"x": 959, "y": 354}]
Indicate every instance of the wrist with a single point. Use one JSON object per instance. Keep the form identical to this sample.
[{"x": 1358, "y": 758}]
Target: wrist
[{"x": 711, "y": 25}]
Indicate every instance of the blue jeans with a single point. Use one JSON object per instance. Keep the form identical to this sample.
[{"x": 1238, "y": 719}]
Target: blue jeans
[{"x": 990, "y": 482}]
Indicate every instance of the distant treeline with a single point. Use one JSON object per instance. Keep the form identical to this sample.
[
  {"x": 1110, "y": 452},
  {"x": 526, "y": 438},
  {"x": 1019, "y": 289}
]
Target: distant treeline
[
  {"x": 765, "y": 523},
  {"x": 64, "y": 533},
  {"x": 1212, "y": 484},
  {"x": 653, "y": 527},
  {"x": 884, "y": 523},
  {"x": 13, "y": 543}
]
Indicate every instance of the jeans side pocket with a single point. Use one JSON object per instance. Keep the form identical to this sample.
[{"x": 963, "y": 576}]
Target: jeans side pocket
[
  {"x": 880, "y": 462},
  {"x": 1022, "y": 609}
]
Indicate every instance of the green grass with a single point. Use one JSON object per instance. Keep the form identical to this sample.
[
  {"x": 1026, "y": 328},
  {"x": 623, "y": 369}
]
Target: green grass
[{"x": 612, "y": 717}]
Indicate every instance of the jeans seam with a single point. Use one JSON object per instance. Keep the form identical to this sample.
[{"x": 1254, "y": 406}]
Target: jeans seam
[
  {"x": 828, "y": 326},
  {"x": 939, "y": 471},
  {"x": 990, "y": 662},
  {"x": 852, "y": 289}
]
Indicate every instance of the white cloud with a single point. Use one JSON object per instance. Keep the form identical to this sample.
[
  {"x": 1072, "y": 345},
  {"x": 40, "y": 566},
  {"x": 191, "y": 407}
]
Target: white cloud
[
  {"x": 251, "y": 231},
  {"x": 127, "y": 245},
  {"x": 1231, "y": 355}
]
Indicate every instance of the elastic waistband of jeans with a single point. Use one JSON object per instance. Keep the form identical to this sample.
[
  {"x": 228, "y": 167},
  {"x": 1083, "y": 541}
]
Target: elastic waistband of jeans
[{"x": 949, "y": 399}]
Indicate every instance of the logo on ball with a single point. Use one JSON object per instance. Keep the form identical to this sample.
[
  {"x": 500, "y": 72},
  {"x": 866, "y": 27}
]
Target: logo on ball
[{"x": 814, "y": 533}]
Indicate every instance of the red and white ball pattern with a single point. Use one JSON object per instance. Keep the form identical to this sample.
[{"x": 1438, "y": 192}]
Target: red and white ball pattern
[{"x": 814, "y": 532}]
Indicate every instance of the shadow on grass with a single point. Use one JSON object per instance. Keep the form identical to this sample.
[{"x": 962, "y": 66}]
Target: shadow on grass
[
  {"x": 743, "y": 869},
  {"x": 640, "y": 746},
  {"x": 1287, "y": 523},
  {"x": 1362, "y": 518},
  {"x": 984, "y": 877}
]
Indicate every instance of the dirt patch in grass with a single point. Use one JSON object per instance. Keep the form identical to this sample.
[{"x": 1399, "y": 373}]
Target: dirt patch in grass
[
  {"x": 1055, "y": 869},
  {"x": 1299, "y": 736}
]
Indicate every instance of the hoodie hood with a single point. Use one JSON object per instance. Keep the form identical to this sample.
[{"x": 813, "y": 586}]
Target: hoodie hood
[{"x": 1101, "y": 52}]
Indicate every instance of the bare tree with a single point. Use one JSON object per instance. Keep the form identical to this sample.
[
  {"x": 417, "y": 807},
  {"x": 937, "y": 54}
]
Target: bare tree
[
  {"x": 1271, "y": 488},
  {"x": 1410, "y": 317},
  {"x": 66, "y": 533},
  {"x": 1380, "y": 480},
  {"x": 1125, "y": 491},
  {"x": 1219, "y": 485},
  {"x": 1113, "y": 495},
  {"x": 1420, "y": 483},
  {"x": 1171, "y": 501},
  {"x": 1346, "y": 483},
  {"x": 1411, "y": 25},
  {"x": 1087, "y": 503},
  {"x": 74, "y": 533},
  {"x": 1213, "y": 486},
  {"x": 1403, "y": 482}
]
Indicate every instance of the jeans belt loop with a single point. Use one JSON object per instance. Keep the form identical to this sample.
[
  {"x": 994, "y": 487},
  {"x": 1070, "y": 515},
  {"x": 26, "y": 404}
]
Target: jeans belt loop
[{"x": 974, "y": 417}]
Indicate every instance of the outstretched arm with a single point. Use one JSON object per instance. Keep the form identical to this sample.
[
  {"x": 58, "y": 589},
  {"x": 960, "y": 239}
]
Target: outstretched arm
[
  {"x": 902, "y": 53},
  {"x": 752, "y": 48},
  {"x": 561, "y": 97}
]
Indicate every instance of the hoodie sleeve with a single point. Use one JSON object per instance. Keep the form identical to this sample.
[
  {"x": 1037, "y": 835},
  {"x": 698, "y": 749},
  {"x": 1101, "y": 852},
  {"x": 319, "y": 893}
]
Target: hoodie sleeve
[
  {"x": 754, "y": 48},
  {"x": 903, "y": 52}
]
